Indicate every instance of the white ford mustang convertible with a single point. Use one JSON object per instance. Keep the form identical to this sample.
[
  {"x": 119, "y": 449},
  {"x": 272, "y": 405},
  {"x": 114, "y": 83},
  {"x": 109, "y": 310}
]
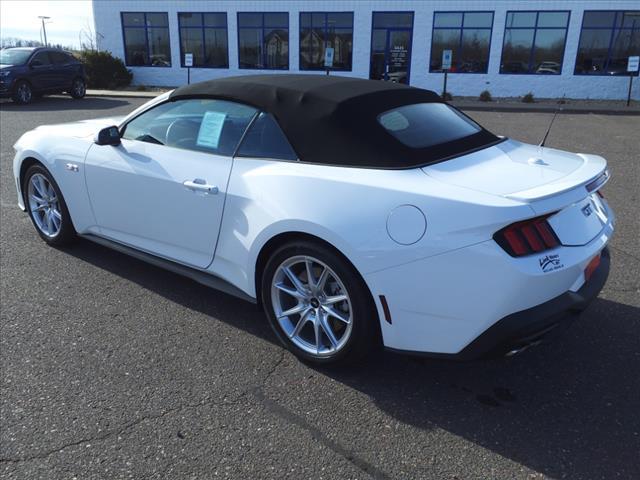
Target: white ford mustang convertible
[{"x": 356, "y": 213}]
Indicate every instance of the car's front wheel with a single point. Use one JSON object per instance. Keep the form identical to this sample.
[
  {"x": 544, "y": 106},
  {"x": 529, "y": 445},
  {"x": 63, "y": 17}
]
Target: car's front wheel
[
  {"x": 46, "y": 207},
  {"x": 318, "y": 305},
  {"x": 23, "y": 93},
  {"x": 78, "y": 88}
]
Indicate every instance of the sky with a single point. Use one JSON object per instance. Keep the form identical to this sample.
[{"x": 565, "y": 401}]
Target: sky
[{"x": 19, "y": 18}]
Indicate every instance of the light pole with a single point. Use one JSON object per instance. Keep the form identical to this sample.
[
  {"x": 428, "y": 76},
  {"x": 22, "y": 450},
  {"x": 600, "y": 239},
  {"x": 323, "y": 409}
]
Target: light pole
[{"x": 44, "y": 29}]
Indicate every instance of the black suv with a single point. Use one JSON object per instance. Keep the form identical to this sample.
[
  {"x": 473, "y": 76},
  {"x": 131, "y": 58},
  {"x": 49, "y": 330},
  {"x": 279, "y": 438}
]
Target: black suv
[{"x": 27, "y": 72}]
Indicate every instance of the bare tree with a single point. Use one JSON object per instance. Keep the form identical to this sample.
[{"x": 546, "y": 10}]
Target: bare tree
[{"x": 88, "y": 37}]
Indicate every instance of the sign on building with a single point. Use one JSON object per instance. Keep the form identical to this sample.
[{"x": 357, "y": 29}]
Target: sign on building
[
  {"x": 328, "y": 57},
  {"x": 447, "y": 57}
]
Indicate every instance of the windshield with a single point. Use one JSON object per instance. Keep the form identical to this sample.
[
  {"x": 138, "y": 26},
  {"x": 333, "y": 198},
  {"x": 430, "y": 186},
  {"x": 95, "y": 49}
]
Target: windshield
[
  {"x": 14, "y": 56},
  {"x": 424, "y": 125}
]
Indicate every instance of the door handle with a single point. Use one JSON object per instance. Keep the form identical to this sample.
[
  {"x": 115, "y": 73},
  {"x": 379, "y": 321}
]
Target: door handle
[{"x": 200, "y": 185}]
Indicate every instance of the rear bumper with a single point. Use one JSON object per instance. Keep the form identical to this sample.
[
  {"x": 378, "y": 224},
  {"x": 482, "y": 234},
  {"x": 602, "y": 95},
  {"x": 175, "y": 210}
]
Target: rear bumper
[{"x": 520, "y": 330}]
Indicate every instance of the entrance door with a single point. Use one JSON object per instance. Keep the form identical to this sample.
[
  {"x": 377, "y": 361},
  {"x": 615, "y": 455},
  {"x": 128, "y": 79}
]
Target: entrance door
[{"x": 391, "y": 46}]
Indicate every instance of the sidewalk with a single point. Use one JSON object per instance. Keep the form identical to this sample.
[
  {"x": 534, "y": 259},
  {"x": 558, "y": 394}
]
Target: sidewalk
[{"x": 608, "y": 107}]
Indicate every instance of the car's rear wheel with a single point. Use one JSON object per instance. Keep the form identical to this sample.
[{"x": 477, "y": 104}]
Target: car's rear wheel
[
  {"x": 23, "y": 93},
  {"x": 78, "y": 88},
  {"x": 318, "y": 305},
  {"x": 46, "y": 207}
]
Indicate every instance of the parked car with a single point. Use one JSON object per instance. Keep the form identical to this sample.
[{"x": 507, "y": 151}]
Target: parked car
[
  {"x": 29, "y": 72},
  {"x": 355, "y": 212},
  {"x": 549, "y": 68}
]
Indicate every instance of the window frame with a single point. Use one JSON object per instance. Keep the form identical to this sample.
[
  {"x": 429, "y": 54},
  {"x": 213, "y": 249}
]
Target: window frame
[
  {"x": 262, "y": 43},
  {"x": 613, "y": 30},
  {"x": 533, "y": 41},
  {"x": 146, "y": 38},
  {"x": 123, "y": 126},
  {"x": 461, "y": 28},
  {"x": 325, "y": 31},
  {"x": 202, "y": 29}
]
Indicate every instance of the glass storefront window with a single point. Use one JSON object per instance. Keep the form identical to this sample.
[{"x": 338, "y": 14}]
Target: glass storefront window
[
  {"x": 467, "y": 35},
  {"x": 263, "y": 40},
  {"x": 321, "y": 30},
  {"x": 205, "y": 36},
  {"x": 607, "y": 40},
  {"x": 534, "y": 42},
  {"x": 146, "y": 39}
]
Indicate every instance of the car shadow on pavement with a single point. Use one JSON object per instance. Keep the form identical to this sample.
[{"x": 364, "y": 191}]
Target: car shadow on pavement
[
  {"x": 565, "y": 409},
  {"x": 57, "y": 103}
]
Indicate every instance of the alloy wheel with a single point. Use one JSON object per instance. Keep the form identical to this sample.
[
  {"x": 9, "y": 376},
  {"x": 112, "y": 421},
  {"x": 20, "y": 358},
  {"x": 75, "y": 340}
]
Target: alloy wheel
[
  {"x": 312, "y": 305},
  {"x": 44, "y": 205},
  {"x": 24, "y": 92},
  {"x": 78, "y": 88}
]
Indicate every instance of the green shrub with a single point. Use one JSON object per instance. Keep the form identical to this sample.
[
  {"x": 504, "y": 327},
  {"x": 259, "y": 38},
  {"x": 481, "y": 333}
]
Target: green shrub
[
  {"x": 104, "y": 70},
  {"x": 485, "y": 96},
  {"x": 528, "y": 98}
]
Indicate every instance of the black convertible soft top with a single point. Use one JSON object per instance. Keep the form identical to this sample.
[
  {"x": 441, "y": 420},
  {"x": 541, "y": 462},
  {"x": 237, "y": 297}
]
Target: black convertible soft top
[{"x": 333, "y": 120}]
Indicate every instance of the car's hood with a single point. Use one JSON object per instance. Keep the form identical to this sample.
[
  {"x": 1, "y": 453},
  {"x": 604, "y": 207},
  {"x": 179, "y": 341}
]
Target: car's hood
[
  {"x": 83, "y": 128},
  {"x": 4, "y": 65},
  {"x": 519, "y": 171}
]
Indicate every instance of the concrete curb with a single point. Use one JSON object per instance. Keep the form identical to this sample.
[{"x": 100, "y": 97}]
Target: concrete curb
[{"x": 122, "y": 94}]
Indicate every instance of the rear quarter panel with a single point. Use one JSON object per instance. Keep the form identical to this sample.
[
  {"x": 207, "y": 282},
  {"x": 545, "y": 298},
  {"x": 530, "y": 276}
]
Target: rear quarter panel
[{"x": 348, "y": 208}]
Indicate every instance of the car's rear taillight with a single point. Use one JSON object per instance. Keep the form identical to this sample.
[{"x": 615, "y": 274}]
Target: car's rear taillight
[{"x": 529, "y": 236}]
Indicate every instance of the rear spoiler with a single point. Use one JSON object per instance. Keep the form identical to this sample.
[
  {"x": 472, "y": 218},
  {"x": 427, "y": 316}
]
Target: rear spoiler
[{"x": 592, "y": 175}]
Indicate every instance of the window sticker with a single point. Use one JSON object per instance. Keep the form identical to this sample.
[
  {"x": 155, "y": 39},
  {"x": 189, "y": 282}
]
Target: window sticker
[{"x": 210, "y": 129}]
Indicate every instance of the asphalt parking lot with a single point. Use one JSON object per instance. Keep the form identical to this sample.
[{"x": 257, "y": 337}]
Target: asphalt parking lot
[{"x": 112, "y": 368}]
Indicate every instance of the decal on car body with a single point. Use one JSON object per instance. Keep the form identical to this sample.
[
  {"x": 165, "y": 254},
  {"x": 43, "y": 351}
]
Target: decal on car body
[{"x": 549, "y": 263}]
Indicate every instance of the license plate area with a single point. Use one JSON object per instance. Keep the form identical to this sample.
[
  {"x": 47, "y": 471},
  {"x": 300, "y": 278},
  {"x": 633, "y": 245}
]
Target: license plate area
[{"x": 581, "y": 222}]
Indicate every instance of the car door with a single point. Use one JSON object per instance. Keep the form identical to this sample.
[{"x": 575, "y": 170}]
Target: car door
[
  {"x": 162, "y": 190},
  {"x": 40, "y": 71},
  {"x": 62, "y": 69}
]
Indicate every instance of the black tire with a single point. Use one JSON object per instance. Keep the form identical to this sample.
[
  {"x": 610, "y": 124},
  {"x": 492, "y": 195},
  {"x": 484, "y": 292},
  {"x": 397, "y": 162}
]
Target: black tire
[
  {"x": 22, "y": 93},
  {"x": 365, "y": 331},
  {"x": 78, "y": 88},
  {"x": 66, "y": 233}
]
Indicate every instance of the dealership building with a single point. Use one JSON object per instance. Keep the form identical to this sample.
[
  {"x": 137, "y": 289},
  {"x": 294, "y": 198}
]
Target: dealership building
[{"x": 577, "y": 49}]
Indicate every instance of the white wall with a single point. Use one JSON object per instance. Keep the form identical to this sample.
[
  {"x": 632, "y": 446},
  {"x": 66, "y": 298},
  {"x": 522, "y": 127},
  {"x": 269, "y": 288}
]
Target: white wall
[{"x": 108, "y": 26}]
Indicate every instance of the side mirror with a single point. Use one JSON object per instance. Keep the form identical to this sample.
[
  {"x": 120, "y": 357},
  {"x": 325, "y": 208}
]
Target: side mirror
[
  {"x": 35, "y": 63},
  {"x": 108, "y": 136}
]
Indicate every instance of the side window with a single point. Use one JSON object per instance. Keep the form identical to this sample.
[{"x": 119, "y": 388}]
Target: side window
[
  {"x": 59, "y": 58},
  {"x": 266, "y": 140},
  {"x": 204, "y": 125},
  {"x": 40, "y": 59}
]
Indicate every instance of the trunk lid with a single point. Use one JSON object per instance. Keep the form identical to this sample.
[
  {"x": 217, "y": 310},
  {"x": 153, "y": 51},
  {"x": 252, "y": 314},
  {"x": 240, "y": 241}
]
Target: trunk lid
[
  {"x": 519, "y": 171},
  {"x": 549, "y": 180}
]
